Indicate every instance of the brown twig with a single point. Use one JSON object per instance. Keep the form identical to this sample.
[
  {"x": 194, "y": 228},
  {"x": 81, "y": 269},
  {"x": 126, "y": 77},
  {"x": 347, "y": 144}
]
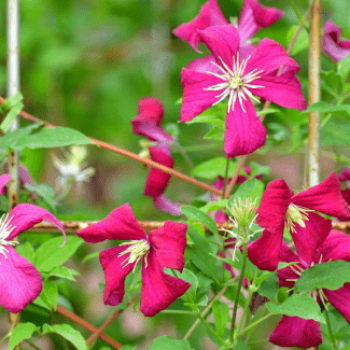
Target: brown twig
[
  {"x": 74, "y": 226},
  {"x": 100, "y": 330},
  {"x": 134, "y": 156},
  {"x": 88, "y": 326},
  {"x": 267, "y": 105}
]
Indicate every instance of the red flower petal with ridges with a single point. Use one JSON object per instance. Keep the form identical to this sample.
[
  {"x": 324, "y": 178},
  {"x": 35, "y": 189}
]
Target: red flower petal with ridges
[
  {"x": 264, "y": 252},
  {"x": 340, "y": 300},
  {"x": 169, "y": 242},
  {"x": 336, "y": 247},
  {"x": 274, "y": 205},
  {"x": 332, "y": 44},
  {"x": 210, "y": 15},
  {"x": 244, "y": 130},
  {"x": 309, "y": 239},
  {"x": 159, "y": 290},
  {"x": 295, "y": 331},
  {"x": 324, "y": 197},
  {"x": 115, "y": 272},
  {"x": 120, "y": 224},
  {"x": 157, "y": 180},
  {"x": 254, "y": 17},
  {"x": 164, "y": 204},
  {"x": 20, "y": 281}
]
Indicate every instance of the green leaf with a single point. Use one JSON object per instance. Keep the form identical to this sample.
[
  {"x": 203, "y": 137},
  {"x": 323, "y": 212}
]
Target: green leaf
[
  {"x": 325, "y": 107},
  {"x": 51, "y": 255},
  {"x": 344, "y": 68},
  {"x": 21, "y": 332},
  {"x": 302, "y": 41},
  {"x": 221, "y": 317},
  {"x": 127, "y": 347},
  {"x": 11, "y": 138},
  {"x": 169, "y": 343},
  {"x": 301, "y": 305},
  {"x": 90, "y": 256},
  {"x": 216, "y": 133},
  {"x": 330, "y": 275},
  {"x": 336, "y": 132},
  {"x": 215, "y": 205},
  {"x": 49, "y": 138},
  {"x": 27, "y": 251},
  {"x": 64, "y": 272},
  {"x": 49, "y": 294},
  {"x": 191, "y": 278},
  {"x": 252, "y": 188},
  {"x": 67, "y": 332},
  {"x": 267, "y": 111},
  {"x": 196, "y": 214},
  {"x": 11, "y": 116},
  {"x": 213, "y": 168},
  {"x": 269, "y": 287},
  {"x": 200, "y": 253},
  {"x": 258, "y": 169},
  {"x": 207, "y": 119},
  {"x": 240, "y": 345},
  {"x": 10, "y": 102},
  {"x": 45, "y": 191}
]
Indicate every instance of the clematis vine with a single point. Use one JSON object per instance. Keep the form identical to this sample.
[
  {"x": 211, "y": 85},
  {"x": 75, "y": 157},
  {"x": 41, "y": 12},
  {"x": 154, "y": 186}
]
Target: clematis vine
[
  {"x": 161, "y": 248},
  {"x": 332, "y": 44},
  {"x": 147, "y": 123},
  {"x": 279, "y": 207},
  {"x": 20, "y": 281},
  {"x": 295, "y": 331},
  {"x": 226, "y": 75},
  {"x": 254, "y": 16}
]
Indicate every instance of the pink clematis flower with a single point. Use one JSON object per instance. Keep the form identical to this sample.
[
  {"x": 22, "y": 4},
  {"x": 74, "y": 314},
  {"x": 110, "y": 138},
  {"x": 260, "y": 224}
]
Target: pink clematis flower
[
  {"x": 24, "y": 177},
  {"x": 294, "y": 331},
  {"x": 332, "y": 45},
  {"x": 147, "y": 123},
  {"x": 344, "y": 176},
  {"x": 253, "y": 17},
  {"x": 279, "y": 206},
  {"x": 20, "y": 281},
  {"x": 226, "y": 75},
  {"x": 161, "y": 248}
]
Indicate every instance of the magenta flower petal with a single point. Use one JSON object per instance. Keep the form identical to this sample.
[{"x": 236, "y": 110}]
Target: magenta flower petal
[
  {"x": 340, "y": 300},
  {"x": 24, "y": 175},
  {"x": 308, "y": 240},
  {"x": 284, "y": 90},
  {"x": 264, "y": 252},
  {"x": 20, "y": 281},
  {"x": 203, "y": 64},
  {"x": 346, "y": 196},
  {"x": 336, "y": 247},
  {"x": 332, "y": 45},
  {"x": 269, "y": 56},
  {"x": 255, "y": 16},
  {"x": 195, "y": 98},
  {"x": 344, "y": 175},
  {"x": 223, "y": 43},
  {"x": 244, "y": 130},
  {"x": 25, "y": 216},
  {"x": 150, "y": 114},
  {"x": 169, "y": 242},
  {"x": 209, "y": 15},
  {"x": 324, "y": 197},
  {"x": 295, "y": 331},
  {"x": 115, "y": 274},
  {"x": 274, "y": 205},
  {"x": 157, "y": 180},
  {"x": 4, "y": 179},
  {"x": 159, "y": 290},
  {"x": 164, "y": 204},
  {"x": 120, "y": 224}
]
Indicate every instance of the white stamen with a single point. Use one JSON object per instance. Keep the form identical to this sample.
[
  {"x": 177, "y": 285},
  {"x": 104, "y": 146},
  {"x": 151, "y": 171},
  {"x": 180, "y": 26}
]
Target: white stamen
[
  {"x": 5, "y": 231},
  {"x": 236, "y": 84}
]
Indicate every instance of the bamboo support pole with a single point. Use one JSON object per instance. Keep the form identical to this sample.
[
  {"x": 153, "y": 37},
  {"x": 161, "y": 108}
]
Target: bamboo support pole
[
  {"x": 314, "y": 150},
  {"x": 13, "y": 82}
]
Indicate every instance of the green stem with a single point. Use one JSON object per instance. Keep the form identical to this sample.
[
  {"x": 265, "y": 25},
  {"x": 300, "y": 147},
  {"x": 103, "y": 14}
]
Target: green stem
[
  {"x": 209, "y": 329},
  {"x": 246, "y": 307},
  {"x": 5, "y": 337},
  {"x": 226, "y": 177},
  {"x": 184, "y": 155},
  {"x": 177, "y": 312},
  {"x": 252, "y": 325},
  {"x": 240, "y": 282},
  {"x": 330, "y": 330},
  {"x": 32, "y": 345}
]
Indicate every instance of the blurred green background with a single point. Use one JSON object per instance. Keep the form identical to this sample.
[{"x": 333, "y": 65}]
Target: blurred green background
[{"x": 85, "y": 64}]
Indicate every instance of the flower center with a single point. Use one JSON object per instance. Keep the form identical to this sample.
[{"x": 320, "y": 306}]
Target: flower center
[
  {"x": 137, "y": 249},
  {"x": 5, "y": 231},
  {"x": 236, "y": 83},
  {"x": 296, "y": 215},
  {"x": 144, "y": 146}
]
